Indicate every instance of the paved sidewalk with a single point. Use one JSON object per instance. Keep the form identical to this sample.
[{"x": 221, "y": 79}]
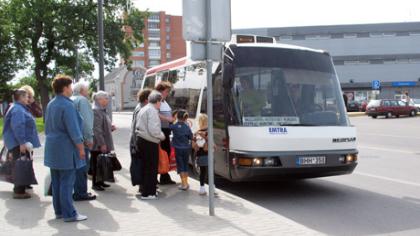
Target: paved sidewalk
[{"x": 118, "y": 210}]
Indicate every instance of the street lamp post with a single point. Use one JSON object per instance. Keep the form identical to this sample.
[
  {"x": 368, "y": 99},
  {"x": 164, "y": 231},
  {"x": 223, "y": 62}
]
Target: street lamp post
[{"x": 101, "y": 45}]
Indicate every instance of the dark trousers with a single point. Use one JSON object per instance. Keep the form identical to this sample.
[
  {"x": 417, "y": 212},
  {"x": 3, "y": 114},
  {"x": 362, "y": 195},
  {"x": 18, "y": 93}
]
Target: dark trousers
[
  {"x": 80, "y": 186},
  {"x": 93, "y": 160},
  {"x": 166, "y": 145},
  {"x": 150, "y": 160},
  {"x": 203, "y": 175}
]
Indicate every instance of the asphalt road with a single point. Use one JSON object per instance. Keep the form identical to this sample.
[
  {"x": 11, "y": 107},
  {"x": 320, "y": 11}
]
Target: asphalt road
[{"x": 382, "y": 196}]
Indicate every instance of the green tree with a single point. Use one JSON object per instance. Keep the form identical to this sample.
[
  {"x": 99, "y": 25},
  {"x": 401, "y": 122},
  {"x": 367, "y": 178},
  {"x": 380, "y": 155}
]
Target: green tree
[
  {"x": 11, "y": 53},
  {"x": 53, "y": 30}
]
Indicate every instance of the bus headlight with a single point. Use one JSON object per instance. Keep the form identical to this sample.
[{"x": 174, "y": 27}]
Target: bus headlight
[
  {"x": 351, "y": 158},
  {"x": 269, "y": 161},
  {"x": 257, "y": 162}
]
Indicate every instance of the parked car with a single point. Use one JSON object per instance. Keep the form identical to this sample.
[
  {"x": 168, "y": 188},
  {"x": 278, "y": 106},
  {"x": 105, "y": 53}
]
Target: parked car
[
  {"x": 389, "y": 108},
  {"x": 363, "y": 105},
  {"x": 352, "y": 106},
  {"x": 416, "y": 103}
]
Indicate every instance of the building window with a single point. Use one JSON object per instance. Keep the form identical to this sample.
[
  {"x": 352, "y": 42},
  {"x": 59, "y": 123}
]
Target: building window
[
  {"x": 154, "y": 44},
  {"x": 285, "y": 37},
  {"x": 168, "y": 29},
  {"x": 154, "y": 52},
  {"x": 153, "y": 25},
  {"x": 350, "y": 35},
  {"x": 154, "y": 17},
  {"x": 168, "y": 19},
  {"x": 154, "y": 34},
  {"x": 138, "y": 63},
  {"x": 390, "y": 34},
  {"x": 363, "y": 35},
  {"x": 168, "y": 55},
  {"x": 168, "y": 38},
  {"x": 168, "y": 46},
  {"x": 415, "y": 33},
  {"x": 318, "y": 36},
  {"x": 154, "y": 62},
  {"x": 138, "y": 54},
  {"x": 376, "y": 61},
  {"x": 376, "y": 35},
  {"x": 298, "y": 37}
]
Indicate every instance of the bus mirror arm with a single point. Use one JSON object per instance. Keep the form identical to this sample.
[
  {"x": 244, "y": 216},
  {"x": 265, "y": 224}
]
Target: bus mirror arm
[{"x": 228, "y": 72}]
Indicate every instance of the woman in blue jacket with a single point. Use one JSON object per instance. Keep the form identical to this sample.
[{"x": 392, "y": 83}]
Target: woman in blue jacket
[
  {"x": 20, "y": 134},
  {"x": 64, "y": 149}
]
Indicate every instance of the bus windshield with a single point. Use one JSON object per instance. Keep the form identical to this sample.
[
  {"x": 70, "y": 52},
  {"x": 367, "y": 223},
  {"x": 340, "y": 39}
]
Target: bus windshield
[{"x": 276, "y": 86}]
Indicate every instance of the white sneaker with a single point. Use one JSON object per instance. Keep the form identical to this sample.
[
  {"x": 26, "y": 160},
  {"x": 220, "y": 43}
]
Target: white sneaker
[
  {"x": 150, "y": 197},
  {"x": 202, "y": 190},
  {"x": 77, "y": 218}
]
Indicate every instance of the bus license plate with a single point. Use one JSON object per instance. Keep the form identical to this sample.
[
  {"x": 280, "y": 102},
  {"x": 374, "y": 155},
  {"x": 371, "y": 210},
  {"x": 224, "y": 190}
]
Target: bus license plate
[{"x": 317, "y": 160}]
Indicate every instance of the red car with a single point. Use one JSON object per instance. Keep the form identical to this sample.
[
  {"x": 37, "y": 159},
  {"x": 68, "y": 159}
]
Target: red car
[{"x": 389, "y": 108}]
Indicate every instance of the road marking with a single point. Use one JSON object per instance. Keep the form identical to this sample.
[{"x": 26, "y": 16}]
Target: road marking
[
  {"x": 388, "y": 179},
  {"x": 388, "y": 135},
  {"x": 388, "y": 149}
]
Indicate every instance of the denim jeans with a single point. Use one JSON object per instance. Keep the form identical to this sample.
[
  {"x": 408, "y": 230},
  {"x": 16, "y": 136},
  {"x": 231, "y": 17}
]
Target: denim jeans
[
  {"x": 80, "y": 186},
  {"x": 62, "y": 182}
]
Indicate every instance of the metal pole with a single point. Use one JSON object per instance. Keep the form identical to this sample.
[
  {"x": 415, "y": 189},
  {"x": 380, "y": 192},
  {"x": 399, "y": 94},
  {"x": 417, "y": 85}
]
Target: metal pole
[
  {"x": 210, "y": 109},
  {"x": 101, "y": 45},
  {"x": 76, "y": 74}
]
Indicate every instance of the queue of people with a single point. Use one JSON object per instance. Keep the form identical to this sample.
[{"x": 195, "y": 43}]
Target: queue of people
[{"x": 79, "y": 134}]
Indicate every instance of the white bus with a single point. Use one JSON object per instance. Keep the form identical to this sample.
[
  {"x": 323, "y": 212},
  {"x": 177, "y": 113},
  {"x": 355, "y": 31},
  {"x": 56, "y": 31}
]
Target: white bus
[{"x": 278, "y": 110}]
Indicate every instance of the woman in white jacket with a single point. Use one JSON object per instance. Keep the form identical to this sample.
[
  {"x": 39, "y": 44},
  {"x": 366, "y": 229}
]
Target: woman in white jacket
[{"x": 149, "y": 133}]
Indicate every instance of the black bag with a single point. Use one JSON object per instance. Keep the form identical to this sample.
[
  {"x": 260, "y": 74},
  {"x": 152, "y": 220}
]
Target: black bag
[
  {"x": 116, "y": 165},
  {"x": 135, "y": 170},
  {"x": 23, "y": 171},
  {"x": 104, "y": 168}
]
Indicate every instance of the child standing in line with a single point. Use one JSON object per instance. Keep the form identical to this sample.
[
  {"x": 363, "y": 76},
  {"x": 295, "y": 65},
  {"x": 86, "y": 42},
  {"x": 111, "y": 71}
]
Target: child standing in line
[
  {"x": 181, "y": 141},
  {"x": 200, "y": 146}
]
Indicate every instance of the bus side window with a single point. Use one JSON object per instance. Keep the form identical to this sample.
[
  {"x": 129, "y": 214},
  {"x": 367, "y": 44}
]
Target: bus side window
[{"x": 150, "y": 82}]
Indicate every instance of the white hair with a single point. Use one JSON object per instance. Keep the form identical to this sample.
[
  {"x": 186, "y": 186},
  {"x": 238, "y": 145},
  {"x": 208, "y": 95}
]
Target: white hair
[
  {"x": 77, "y": 87},
  {"x": 100, "y": 94}
]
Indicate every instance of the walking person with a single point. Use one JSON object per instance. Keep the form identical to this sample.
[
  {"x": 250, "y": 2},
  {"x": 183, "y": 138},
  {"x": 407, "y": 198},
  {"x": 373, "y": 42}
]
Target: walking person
[
  {"x": 149, "y": 135},
  {"x": 165, "y": 115},
  {"x": 20, "y": 136},
  {"x": 181, "y": 141},
  {"x": 102, "y": 136},
  {"x": 135, "y": 166},
  {"x": 200, "y": 146},
  {"x": 83, "y": 106},
  {"x": 64, "y": 148}
]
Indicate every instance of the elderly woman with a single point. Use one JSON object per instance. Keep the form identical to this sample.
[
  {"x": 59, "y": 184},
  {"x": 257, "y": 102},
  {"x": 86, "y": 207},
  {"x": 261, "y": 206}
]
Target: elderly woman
[
  {"x": 102, "y": 135},
  {"x": 135, "y": 166},
  {"x": 33, "y": 106},
  {"x": 149, "y": 135},
  {"x": 165, "y": 114},
  {"x": 64, "y": 149},
  {"x": 20, "y": 135}
]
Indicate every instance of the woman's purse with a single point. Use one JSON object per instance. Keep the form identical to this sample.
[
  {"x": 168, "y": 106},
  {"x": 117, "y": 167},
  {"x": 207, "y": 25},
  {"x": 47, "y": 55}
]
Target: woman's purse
[
  {"x": 116, "y": 165},
  {"x": 163, "y": 167},
  {"x": 23, "y": 173}
]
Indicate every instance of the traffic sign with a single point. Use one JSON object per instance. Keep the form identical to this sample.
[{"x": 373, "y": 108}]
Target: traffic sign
[{"x": 376, "y": 85}]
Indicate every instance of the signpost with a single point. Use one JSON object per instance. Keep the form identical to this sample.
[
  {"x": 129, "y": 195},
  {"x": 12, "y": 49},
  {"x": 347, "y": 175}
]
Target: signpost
[
  {"x": 207, "y": 24},
  {"x": 376, "y": 85}
]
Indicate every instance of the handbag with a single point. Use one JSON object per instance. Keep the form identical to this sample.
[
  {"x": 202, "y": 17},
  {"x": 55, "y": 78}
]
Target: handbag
[
  {"x": 104, "y": 169},
  {"x": 172, "y": 160},
  {"x": 23, "y": 171},
  {"x": 6, "y": 165},
  {"x": 163, "y": 167},
  {"x": 116, "y": 164}
]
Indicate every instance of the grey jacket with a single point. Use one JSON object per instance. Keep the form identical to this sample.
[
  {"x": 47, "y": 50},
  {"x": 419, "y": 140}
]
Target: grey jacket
[
  {"x": 102, "y": 130},
  {"x": 148, "y": 124}
]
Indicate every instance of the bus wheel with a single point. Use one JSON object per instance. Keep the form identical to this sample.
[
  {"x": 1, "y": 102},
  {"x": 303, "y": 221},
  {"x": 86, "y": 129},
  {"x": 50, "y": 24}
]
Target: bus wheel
[{"x": 388, "y": 115}]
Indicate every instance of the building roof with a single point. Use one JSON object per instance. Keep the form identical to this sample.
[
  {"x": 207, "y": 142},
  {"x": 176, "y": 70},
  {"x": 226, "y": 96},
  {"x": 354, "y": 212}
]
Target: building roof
[{"x": 328, "y": 29}]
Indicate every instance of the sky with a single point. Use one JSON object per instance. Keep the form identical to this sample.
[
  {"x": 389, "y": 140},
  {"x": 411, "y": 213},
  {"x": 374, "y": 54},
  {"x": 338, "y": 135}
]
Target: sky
[{"x": 282, "y": 13}]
